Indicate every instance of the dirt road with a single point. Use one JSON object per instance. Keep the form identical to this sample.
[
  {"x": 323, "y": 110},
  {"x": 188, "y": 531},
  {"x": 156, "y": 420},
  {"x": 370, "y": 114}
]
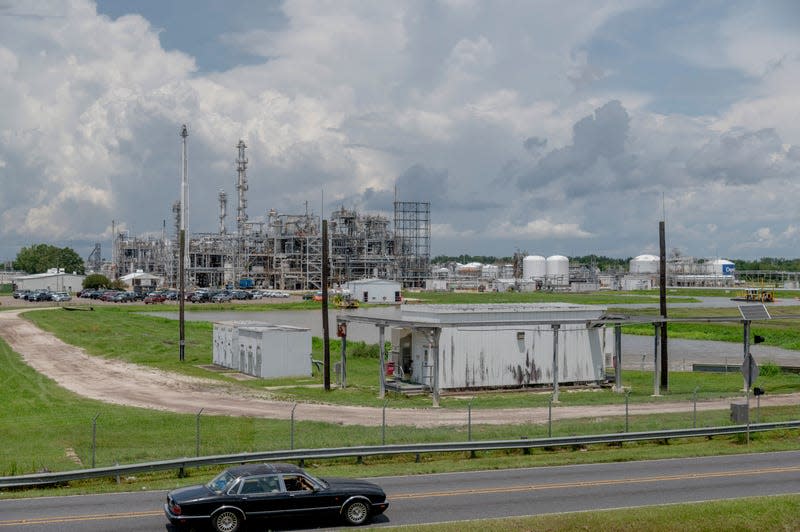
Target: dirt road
[{"x": 122, "y": 383}]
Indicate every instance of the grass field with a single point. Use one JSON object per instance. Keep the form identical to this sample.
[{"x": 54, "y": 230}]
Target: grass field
[{"x": 46, "y": 427}]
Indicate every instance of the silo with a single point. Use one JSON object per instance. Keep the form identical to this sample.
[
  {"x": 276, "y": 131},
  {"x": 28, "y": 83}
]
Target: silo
[
  {"x": 558, "y": 270},
  {"x": 645, "y": 264},
  {"x": 534, "y": 267}
]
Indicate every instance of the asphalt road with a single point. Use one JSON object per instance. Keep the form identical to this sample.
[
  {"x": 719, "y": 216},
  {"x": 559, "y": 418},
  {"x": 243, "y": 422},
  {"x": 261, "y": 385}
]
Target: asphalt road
[{"x": 463, "y": 496}]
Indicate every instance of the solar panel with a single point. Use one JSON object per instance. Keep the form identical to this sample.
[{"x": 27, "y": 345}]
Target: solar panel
[{"x": 754, "y": 312}]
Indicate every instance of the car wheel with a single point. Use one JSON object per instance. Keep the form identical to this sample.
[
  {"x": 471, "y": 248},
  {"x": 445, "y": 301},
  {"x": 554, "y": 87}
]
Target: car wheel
[
  {"x": 227, "y": 521},
  {"x": 356, "y": 513}
]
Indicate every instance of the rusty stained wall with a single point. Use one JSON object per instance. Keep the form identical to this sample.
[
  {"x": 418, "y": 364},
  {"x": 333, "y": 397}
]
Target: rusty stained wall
[{"x": 487, "y": 357}]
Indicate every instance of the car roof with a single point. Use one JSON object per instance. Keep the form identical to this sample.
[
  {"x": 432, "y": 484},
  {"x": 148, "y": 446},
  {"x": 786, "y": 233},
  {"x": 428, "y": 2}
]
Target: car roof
[{"x": 248, "y": 470}]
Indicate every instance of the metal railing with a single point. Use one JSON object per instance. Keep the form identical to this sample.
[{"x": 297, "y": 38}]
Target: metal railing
[{"x": 39, "y": 479}]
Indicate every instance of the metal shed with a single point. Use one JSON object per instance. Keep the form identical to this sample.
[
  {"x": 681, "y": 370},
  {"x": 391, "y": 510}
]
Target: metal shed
[
  {"x": 445, "y": 347},
  {"x": 263, "y": 350},
  {"x": 375, "y": 290}
]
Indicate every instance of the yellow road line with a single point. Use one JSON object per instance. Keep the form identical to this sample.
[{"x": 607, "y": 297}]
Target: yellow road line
[
  {"x": 592, "y": 484},
  {"x": 78, "y": 518}
]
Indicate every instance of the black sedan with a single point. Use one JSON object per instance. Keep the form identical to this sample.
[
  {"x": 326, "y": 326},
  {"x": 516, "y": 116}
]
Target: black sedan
[{"x": 272, "y": 491}]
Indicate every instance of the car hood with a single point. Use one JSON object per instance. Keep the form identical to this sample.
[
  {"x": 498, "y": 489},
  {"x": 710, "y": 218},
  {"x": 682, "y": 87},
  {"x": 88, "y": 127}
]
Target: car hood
[
  {"x": 351, "y": 484},
  {"x": 190, "y": 493}
]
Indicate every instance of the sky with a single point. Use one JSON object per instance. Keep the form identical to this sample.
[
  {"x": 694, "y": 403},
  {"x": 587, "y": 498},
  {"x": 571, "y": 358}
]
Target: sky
[{"x": 546, "y": 127}]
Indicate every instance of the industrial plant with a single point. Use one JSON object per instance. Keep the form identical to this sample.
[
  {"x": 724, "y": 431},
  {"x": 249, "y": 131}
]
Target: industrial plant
[{"x": 281, "y": 250}]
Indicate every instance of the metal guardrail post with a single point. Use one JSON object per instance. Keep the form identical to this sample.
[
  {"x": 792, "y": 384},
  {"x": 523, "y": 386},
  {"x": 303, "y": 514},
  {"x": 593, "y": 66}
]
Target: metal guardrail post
[{"x": 94, "y": 438}]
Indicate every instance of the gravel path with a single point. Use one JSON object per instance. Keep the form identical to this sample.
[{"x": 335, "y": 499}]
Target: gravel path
[{"x": 117, "y": 382}]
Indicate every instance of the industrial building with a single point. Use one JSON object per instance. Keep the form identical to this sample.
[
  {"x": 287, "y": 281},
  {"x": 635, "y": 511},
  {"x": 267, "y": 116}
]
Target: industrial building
[
  {"x": 262, "y": 350},
  {"x": 284, "y": 250},
  {"x": 54, "y": 280},
  {"x": 467, "y": 347}
]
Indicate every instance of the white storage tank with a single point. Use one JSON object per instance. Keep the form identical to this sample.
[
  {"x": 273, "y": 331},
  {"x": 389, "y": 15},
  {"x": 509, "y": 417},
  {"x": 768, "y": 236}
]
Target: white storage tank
[
  {"x": 645, "y": 264},
  {"x": 722, "y": 267},
  {"x": 558, "y": 270},
  {"x": 534, "y": 267}
]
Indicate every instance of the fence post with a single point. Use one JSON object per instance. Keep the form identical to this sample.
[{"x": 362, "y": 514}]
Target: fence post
[
  {"x": 197, "y": 433},
  {"x": 291, "y": 429},
  {"x": 469, "y": 420},
  {"x": 383, "y": 424},
  {"x": 627, "y": 396},
  {"x": 550, "y": 417},
  {"x": 94, "y": 437},
  {"x": 694, "y": 413}
]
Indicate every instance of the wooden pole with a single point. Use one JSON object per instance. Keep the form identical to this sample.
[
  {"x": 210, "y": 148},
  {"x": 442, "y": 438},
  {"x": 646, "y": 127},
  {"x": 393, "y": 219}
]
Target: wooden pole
[{"x": 326, "y": 341}]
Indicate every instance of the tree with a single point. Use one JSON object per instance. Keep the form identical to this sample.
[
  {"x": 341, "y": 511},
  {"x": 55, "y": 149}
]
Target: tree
[
  {"x": 95, "y": 281},
  {"x": 41, "y": 257}
]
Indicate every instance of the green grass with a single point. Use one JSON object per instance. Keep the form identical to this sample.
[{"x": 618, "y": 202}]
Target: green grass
[
  {"x": 117, "y": 332},
  {"x": 42, "y": 422}
]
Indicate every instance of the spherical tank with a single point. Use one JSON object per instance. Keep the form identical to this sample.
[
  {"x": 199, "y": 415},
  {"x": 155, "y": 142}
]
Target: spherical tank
[
  {"x": 534, "y": 267},
  {"x": 645, "y": 264},
  {"x": 558, "y": 270}
]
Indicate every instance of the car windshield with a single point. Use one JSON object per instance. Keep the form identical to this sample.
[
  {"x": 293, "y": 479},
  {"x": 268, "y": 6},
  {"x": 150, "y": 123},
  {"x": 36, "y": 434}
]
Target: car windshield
[{"x": 220, "y": 483}]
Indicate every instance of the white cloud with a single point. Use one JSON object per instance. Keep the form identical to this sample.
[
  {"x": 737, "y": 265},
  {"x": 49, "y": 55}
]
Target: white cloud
[{"x": 500, "y": 114}]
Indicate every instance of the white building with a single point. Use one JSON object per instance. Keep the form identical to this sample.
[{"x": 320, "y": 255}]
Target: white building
[
  {"x": 140, "y": 281},
  {"x": 499, "y": 345},
  {"x": 263, "y": 350},
  {"x": 375, "y": 291},
  {"x": 55, "y": 280}
]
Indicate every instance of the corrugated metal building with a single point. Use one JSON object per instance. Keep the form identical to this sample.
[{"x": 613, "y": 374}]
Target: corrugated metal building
[{"x": 516, "y": 351}]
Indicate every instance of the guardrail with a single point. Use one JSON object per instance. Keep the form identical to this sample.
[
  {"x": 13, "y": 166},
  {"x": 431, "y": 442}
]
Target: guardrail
[{"x": 39, "y": 479}]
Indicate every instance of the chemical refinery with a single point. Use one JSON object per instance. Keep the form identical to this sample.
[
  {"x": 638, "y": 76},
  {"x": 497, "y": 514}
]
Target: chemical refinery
[{"x": 281, "y": 250}]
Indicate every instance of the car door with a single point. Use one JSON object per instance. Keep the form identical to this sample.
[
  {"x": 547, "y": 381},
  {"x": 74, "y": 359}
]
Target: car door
[
  {"x": 305, "y": 496},
  {"x": 261, "y": 496}
]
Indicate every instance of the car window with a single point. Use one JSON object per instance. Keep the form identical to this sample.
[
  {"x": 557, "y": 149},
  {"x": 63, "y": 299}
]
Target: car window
[
  {"x": 262, "y": 485},
  {"x": 297, "y": 483},
  {"x": 220, "y": 482}
]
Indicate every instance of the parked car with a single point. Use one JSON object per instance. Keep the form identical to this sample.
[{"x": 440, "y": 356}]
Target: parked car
[
  {"x": 61, "y": 296},
  {"x": 41, "y": 295},
  {"x": 20, "y": 294},
  {"x": 221, "y": 297},
  {"x": 154, "y": 297},
  {"x": 270, "y": 491}
]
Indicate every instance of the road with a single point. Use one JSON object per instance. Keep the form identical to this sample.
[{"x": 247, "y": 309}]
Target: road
[{"x": 464, "y": 496}]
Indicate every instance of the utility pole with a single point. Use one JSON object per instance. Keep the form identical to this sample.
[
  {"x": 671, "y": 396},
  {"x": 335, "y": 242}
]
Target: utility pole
[
  {"x": 662, "y": 292},
  {"x": 182, "y": 246},
  {"x": 326, "y": 359}
]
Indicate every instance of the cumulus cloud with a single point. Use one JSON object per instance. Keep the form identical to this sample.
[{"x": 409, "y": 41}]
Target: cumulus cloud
[{"x": 513, "y": 123}]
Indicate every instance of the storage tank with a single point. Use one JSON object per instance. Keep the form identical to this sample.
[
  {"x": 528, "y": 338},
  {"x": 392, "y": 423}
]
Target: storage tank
[
  {"x": 473, "y": 269},
  {"x": 645, "y": 264},
  {"x": 489, "y": 271},
  {"x": 558, "y": 270},
  {"x": 722, "y": 267},
  {"x": 534, "y": 267}
]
